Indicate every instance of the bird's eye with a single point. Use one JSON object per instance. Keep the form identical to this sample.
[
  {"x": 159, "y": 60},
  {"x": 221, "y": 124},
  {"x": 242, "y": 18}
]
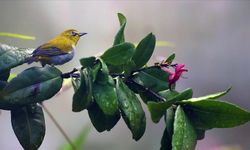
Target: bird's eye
[{"x": 73, "y": 33}]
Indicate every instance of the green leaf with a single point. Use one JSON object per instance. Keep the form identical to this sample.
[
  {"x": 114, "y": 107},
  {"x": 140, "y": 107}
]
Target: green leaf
[
  {"x": 100, "y": 121},
  {"x": 129, "y": 67},
  {"x": 158, "y": 109},
  {"x": 119, "y": 38},
  {"x": 4, "y": 75},
  {"x": 79, "y": 141},
  {"x": 144, "y": 50},
  {"x": 131, "y": 110},
  {"x": 166, "y": 139},
  {"x": 147, "y": 97},
  {"x": 170, "y": 59},
  {"x": 169, "y": 94},
  {"x": 11, "y": 57},
  {"x": 94, "y": 71},
  {"x": 33, "y": 85},
  {"x": 106, "y": 98},
  {"x": 119, "y": 54},
  {"x": 116, "y": 69},
  {"x": 169, "y": 119},
  {"x": 184, "y": 136},
  {"x": 213, "y": 96},
  {"x": 103, "y": 74},
  {"x": 88, "y": 62},
  {"x": 76, "y": 82},
  {"x": 83, "y": 94},
  {"x": 152, "y": 78},
  {"x": 29, "y": 126},
  {"x": 207, "y": 114}
]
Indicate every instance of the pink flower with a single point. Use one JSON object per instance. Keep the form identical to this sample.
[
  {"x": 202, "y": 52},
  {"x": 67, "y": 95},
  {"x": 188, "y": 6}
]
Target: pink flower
[{"x": 174, "y": 76}]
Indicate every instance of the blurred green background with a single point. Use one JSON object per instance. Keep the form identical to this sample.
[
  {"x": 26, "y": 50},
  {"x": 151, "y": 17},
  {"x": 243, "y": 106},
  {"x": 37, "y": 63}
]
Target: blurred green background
[{"x": 211, "y": 38}]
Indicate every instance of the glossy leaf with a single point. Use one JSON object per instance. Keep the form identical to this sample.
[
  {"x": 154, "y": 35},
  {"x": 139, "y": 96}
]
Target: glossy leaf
[
  {"x": 76, "y": 82},
  {"x": 169, "y": 94},
  {"x": 169, "y": 119},
  {"x": 116, "y": 69},
  {"x": 129, "y": 67},
  {"x": 11, "y": 57},
  {"x": 213, "y": 96},
  {"x": 95, "y": 70},
  {"x": 144, "y": 51},
  {"x": 103, "y": 73},
  {"x": 88, "y": 62},
  {"x": 158, "y": 109},
  {"x": 131, "y": 110},
  {"x": 33, "y": 85},
  {"x": 168, "y": 132},
  {"x": 184, "y": 135},
  {"x": 152, "y": 78},
  {"x": 119, "y": 54},
  {"x": 147, "y": 96},
  {"x": 170, "y": 59},
  {"x": 83, "y": 94},
  {"x": 106, "y": 98},
  {"x": 166, "y": 141},
  {"x": 100, "y": 121},
  {"x": 119, "y": 38},
  {"x": 29, "y": 126},
  {"x": 207, "y": 114}
]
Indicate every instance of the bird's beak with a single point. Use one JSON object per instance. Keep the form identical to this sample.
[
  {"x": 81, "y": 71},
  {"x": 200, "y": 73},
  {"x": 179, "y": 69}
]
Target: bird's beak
[{"x": 81, "y": 34}]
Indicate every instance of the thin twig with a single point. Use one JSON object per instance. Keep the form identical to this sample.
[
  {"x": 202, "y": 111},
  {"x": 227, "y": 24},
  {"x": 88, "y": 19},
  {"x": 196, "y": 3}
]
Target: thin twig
[
  {"x": 68, "y": 74},
  {"x": 59, "y": 127}
]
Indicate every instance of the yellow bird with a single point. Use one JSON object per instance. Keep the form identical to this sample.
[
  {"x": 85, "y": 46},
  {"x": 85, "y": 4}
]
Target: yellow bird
[{"x": 58, "y": 50}]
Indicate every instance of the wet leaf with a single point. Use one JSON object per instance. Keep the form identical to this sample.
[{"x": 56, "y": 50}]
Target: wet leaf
[
  {"x": 33, "y": 85},
  {"x": 158, "y": 109},
  {"x": 11, "y": 57},
  {"x": 88, "y": 61},
  {"x": 119, "y": 38},
  {"x": 106, "y": 98},
  {"x": 119, "y": 54},
  {"x": 207, "y": 114},
  {"x": 184, "y": 135},
  {"x": 100, "y": 121},
  {"x": 83, "y": 94},
  {"x": 29, "y": 126},
  {"x": 144, "y": 51},
  {"x": 131, "y": 110}
]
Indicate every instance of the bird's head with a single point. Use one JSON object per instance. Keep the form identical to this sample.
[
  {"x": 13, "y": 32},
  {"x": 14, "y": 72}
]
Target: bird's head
[{"x": 72, "y": 35}]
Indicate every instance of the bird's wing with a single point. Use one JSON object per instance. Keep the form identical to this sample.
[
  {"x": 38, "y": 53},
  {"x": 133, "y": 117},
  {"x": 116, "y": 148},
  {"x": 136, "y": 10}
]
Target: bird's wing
[{"x": 48, "y": 51}]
